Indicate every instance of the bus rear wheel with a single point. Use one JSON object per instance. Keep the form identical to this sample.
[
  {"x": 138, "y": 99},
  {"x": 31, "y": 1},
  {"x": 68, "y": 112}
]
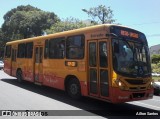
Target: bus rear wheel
[
  {"x": 19, "y": 76},
  {"x": 73, "y": 88}
]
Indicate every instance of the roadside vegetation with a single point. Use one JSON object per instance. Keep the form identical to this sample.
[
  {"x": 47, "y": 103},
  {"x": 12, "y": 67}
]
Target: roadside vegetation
[{"x": 155, "y": 67}]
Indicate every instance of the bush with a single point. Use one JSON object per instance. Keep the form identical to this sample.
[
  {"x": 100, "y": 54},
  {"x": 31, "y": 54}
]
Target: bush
[
  {"x": 156, "y": 67},
  {"x": 155, "y": 59}
]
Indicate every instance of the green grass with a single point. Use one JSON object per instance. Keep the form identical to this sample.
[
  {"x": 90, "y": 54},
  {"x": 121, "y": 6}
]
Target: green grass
[{"x": 156, "y": 78}]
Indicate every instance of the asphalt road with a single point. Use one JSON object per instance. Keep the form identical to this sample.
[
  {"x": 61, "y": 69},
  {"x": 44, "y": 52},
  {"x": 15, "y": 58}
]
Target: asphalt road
[{"x": 27, "y": 96}]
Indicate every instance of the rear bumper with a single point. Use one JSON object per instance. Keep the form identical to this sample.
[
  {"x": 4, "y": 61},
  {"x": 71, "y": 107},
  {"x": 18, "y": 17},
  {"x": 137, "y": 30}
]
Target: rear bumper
[{"x": 119, "y": 96}]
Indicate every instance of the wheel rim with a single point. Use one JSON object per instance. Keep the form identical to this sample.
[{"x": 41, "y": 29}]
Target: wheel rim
[{"x": 73, "y": 89}]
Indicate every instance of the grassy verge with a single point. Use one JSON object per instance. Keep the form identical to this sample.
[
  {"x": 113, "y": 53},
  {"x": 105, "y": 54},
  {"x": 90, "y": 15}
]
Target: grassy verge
[{"x": 156, "y": 78}]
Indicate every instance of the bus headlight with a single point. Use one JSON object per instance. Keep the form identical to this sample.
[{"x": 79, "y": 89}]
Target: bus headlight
[
  {"x": 151, "y": 85},
  {"x": 120, "y": 84}
]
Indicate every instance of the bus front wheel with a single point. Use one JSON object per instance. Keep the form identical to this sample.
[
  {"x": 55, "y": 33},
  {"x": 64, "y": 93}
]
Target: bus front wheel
[
  {"x": 19, "y": 76},
  {"x": 73, "y": 88}
]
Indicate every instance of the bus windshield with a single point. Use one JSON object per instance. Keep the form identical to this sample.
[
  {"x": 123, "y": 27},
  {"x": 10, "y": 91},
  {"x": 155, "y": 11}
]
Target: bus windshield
[{"x": 130, "y": 58}]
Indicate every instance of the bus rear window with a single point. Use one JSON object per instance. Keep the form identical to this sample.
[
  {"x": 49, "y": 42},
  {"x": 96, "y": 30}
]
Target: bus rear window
[
  {"x": 8, "y": 51},
  {"x": 75, "y": 47}
]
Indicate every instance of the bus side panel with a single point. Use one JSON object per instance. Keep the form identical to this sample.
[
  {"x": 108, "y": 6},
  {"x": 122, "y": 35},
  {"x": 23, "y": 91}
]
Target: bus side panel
[
  {"x": 84, "y": 88},
  {"x": 58, "y": 82},
  {"x": 53, "y": 72},
  {"x": 52, "y": 80},
  {"x": 7, "y": 66},
  {"x": 28, "y": 70},
  {"x": 14, "y": 69},
  {"x": 26, "y": 66}
]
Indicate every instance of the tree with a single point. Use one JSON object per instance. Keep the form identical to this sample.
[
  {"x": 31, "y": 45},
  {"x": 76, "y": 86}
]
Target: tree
[
  {"x": 102, "y": 13},
  {"x": 155, "y": 59},
  {"x": 27, "y": 21},
  {"x": 2, "y": 44},
  {"x": 66, "y": 24}
]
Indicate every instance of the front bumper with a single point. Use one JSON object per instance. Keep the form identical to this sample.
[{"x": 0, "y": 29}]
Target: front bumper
[
  {"x": 157, "y": 91},
  {"x": 120, "y": 96}
]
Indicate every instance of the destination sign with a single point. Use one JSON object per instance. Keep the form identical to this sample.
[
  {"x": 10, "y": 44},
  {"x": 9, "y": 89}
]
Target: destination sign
[
  {"x": 129, "y": 34},
  {"x": 126, "y": 32}
]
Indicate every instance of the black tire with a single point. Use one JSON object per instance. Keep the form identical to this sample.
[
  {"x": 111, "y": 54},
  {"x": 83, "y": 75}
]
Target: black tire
[
  {"x": 19, "y": 76},
  {"x": 73, "y": 88}
]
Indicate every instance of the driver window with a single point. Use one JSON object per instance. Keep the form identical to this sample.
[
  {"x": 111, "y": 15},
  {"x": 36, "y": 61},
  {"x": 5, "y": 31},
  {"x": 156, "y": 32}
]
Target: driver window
[{"x": 123, "y": 53}]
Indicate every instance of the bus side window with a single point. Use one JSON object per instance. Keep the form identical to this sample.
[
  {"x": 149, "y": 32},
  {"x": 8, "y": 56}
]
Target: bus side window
[
  {"x": 56, "y": 48},
  {"x": 61, "y": 47},
  {"x": 75, "y": 47},
  {"x": 29, "y": 50},
  {"x": 21, "y": 50},
  {"x": 8, "y": 51},
  {"x": 46, "y": 50}
]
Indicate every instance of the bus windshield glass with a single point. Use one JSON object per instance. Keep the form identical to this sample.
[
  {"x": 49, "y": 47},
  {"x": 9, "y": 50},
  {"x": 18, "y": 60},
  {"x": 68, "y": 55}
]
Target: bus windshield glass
[{"x": 130, "y": 58}]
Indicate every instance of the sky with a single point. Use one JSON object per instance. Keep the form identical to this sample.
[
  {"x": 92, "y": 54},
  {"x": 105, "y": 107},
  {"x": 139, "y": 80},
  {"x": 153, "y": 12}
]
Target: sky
[{"x": 142, "y": 15}]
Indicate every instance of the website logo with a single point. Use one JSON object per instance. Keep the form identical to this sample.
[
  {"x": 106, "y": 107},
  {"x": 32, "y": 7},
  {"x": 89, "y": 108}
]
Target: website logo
[{"x": 6, "y": 113}]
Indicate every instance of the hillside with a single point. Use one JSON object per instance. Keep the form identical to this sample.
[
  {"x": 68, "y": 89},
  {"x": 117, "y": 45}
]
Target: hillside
[{"x": 155, "y": 49}]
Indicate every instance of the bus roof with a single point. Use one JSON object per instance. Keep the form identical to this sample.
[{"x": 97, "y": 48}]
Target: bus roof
[{"x": 66, "y": 33}]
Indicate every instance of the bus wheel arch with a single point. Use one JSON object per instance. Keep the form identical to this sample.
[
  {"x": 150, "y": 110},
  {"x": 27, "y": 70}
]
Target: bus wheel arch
[
  {"x": 73, "y": 87},
  {"x": 19, "y": 75}
]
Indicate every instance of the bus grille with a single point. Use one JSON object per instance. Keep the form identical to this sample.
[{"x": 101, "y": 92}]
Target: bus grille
[
  {"x": 137, "y": 88},
  {"x": 136, "y": 82},
  {"x": 138, "y": 95}
]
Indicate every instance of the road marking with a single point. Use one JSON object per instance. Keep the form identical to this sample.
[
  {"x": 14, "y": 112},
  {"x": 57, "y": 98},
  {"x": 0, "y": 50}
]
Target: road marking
[
  {"x": 148, "y": 105},
  {"x": 156, "y": 100}
]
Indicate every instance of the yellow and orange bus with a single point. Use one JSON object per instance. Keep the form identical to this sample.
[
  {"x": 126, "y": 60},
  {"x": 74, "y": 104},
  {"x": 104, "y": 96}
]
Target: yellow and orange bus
[{"x": 107, "y": 62}]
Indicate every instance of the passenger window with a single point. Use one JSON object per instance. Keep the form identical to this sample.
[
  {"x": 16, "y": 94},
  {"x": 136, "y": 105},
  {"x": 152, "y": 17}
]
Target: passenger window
[
  {"x": 21, "y": 50},
  {"x": 8, "y": 51},
  {"x": 56, "y": 48},
  {"x": 29, "y": 50},
  {"x": 75, "y": 47}
]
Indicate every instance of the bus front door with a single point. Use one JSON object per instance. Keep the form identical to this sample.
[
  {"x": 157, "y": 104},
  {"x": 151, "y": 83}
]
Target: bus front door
[
  {"x": 38, "y": 72},
  {"x": 98, "y": 68}
]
